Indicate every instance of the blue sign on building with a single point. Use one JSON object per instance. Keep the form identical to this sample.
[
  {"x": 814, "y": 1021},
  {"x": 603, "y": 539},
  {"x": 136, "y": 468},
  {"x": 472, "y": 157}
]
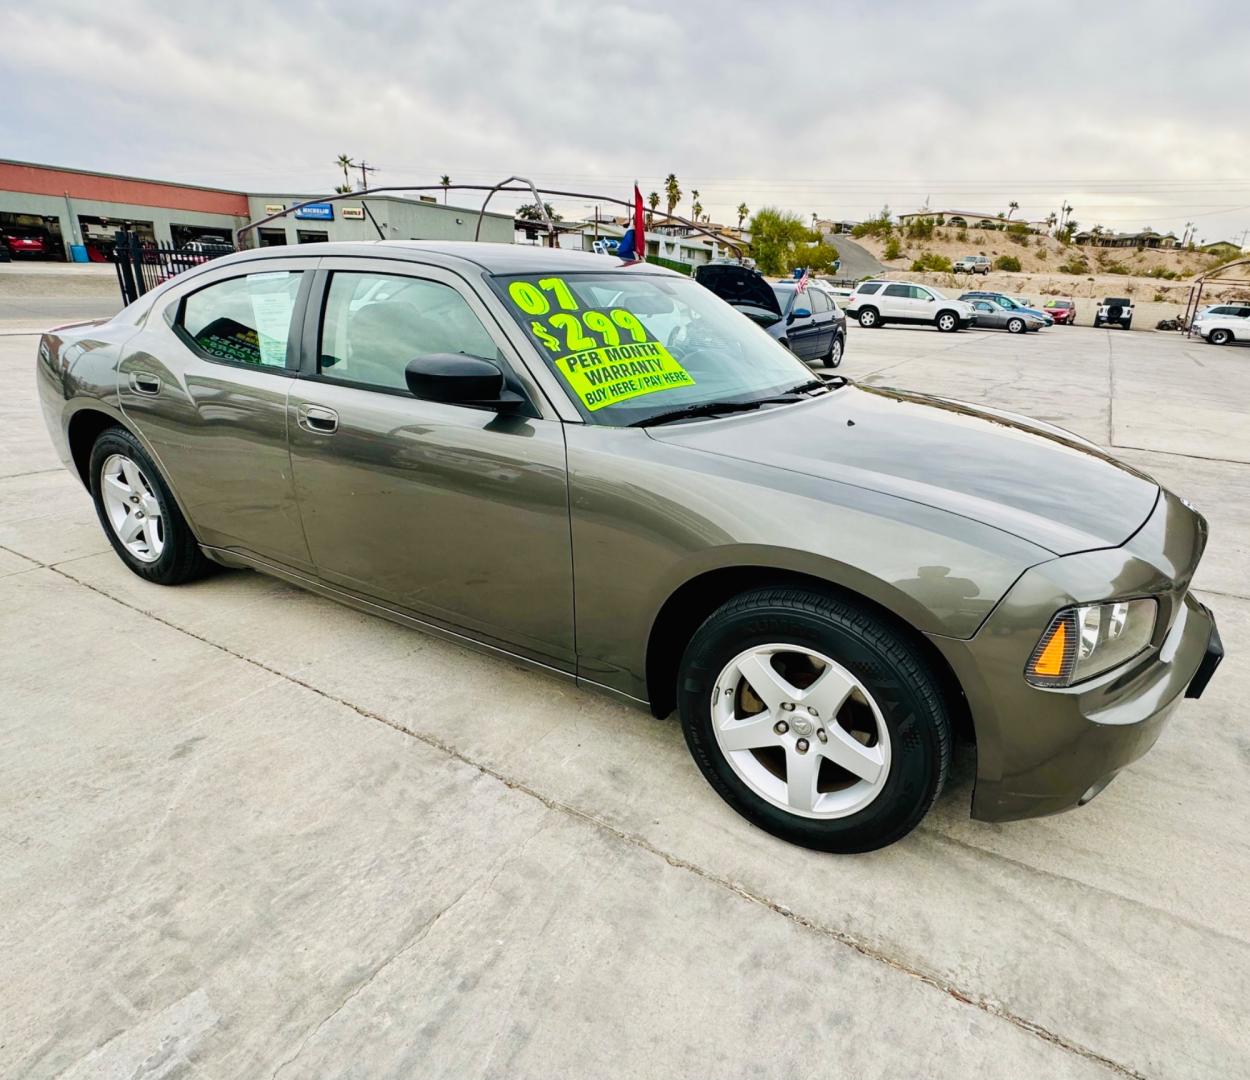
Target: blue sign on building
[{"x": 318, "y": 211}]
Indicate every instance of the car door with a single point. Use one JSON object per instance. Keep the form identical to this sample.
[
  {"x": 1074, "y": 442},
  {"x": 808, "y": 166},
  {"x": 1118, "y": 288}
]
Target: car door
[
  {"x": 989, "y": 314},
  {"x": 205, "y": 383},
  {"x": 896, "y": 302},
  {"x": 823, "y": 319},
  {"x": 801, "y": 330},
  {"x": 456, "y": 514}
]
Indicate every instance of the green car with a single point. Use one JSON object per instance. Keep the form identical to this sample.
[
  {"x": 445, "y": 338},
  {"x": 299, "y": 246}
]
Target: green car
[{"x": 604, "y": 471}]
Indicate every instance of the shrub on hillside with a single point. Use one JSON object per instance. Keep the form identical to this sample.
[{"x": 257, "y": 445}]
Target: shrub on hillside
[
  {"x": 962, "y": 236},
  {"x": 930, "y": 260},
  {"x": 893, "y": 249},
  {"x": 1007, "y": 262},
  {"x": 875, "y": 226},
  {"x": 1018, "y": 232},
  {"x": 1043, "y": 254},
  {"x": 919, "y": 229},
  {"x": 1115, "y": 268},
  {"x": 1074, "y": 264}
]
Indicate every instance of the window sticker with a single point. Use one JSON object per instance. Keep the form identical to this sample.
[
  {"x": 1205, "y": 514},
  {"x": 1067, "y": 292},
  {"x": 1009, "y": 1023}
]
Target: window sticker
[
  {"x": 272, "y": 311},
  {"x": 606, "y": 355}
]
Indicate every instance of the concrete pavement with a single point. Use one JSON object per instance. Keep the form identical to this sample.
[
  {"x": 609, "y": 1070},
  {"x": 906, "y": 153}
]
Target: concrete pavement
[{"x": 249, "y": 832}]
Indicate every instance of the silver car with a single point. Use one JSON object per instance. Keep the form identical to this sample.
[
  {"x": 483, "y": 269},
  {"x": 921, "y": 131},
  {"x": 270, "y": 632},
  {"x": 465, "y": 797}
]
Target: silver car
[{"x": 995, "y": 316}]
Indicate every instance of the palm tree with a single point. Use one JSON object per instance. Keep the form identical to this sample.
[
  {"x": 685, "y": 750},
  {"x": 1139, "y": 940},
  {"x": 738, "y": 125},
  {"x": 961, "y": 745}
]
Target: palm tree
[
  {"x": 445, "y": 180},
  {"x": 744, "y": 212},
  {"x": 672, "y": 193},
  {"x": 342, "y": 189},
  {"x": 345, "y": 163},
  {"x": 653, "y": 200},
  {"x": 694, "y": 203},
  {"x": 1012, "y": 207},
  {"x": 1051, "y": 218}
]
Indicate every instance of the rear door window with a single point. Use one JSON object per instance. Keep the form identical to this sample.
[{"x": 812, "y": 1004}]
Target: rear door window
[
  {"x": 903, "y": 291},
  {"x": 244, "y": 320},
  {"x": 869, "y": 289}
]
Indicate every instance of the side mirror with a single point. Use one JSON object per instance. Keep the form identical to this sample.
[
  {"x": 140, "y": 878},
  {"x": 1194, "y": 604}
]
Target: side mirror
[
  {"x": 800, "y": 313},
  {"x": 456, "y": 379}
]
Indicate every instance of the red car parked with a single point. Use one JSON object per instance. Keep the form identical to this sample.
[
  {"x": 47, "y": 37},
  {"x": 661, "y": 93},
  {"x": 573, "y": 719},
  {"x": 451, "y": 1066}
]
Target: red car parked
[
  {"x": 24, "y": 244},
  {"x": 1062, "y": 311}
]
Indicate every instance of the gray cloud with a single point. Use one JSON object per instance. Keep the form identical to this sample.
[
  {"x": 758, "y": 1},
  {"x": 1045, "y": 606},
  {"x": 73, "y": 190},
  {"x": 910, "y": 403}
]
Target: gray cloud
[{"x": 1129, "y": 110}]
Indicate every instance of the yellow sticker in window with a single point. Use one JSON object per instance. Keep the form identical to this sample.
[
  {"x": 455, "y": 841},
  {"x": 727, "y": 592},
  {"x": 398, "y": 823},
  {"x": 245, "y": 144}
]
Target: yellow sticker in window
[{"x": 612, "y": 373}]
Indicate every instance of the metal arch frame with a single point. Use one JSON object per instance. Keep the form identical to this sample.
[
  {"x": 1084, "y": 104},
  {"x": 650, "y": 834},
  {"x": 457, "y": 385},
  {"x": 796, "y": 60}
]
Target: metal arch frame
[
  {"x": 1214, "y": 277},
  {"x": 511, "y": 184}
]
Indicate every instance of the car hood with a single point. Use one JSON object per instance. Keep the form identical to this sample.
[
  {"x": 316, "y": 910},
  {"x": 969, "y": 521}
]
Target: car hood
[
  {"x": 739, "y": 285},
  {"x": 1025, "y": 477}
]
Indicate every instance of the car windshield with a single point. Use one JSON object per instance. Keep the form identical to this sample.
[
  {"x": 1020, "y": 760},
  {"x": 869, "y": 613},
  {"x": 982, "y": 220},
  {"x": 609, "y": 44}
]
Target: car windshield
[
  {"x": 628, "y": 346},
  {"x": 1059, "y": 303}
]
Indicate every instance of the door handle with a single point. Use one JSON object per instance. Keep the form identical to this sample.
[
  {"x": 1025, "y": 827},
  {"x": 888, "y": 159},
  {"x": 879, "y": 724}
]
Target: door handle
[
  {"x": 319, "y": 420},
  {"x": 144, "y": 382}
]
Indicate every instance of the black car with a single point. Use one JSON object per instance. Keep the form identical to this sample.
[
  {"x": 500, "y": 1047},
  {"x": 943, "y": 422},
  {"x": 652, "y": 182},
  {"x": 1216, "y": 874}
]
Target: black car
[{"x": 806, "y": 321}]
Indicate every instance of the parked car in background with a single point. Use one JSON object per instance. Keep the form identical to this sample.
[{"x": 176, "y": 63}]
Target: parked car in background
[
  {"x": 1235, "y": 310},
  {"x": 1062, "y": 311},
  {"x": 972, "y": 264},
  {"x": 602, "y": 471},
  {"x": 28, "y": 244},
  {"x": 808, "y": 324},
  {"x": 210, "y": 245},
  {"x": 994, "y": 316},
  {"x": 1010, "y": 303},
  {"x": 1224, "y": 329},
  {"x": 4, "y": 253},
  {"x": 875, "y": 303},
  {"x": 1115, "y": 311}
]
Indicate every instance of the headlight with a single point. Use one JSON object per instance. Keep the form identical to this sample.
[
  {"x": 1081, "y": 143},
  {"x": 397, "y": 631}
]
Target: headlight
[{"x": 1081, "y": 642}]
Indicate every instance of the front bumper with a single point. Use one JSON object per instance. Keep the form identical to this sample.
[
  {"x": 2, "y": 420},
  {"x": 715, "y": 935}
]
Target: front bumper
[{"x": 1041, "y": 751}]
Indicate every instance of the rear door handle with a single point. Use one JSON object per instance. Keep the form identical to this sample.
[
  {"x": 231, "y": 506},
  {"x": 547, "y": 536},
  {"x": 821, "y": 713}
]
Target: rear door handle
[
  {"x": 144, "y": 382},
  {"x": 317, "y": 419}
]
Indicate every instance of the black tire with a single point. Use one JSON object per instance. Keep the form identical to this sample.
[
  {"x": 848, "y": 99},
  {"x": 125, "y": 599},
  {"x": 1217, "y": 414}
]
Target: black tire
[
  {"x": 947, "y": 322},
  {"x": 1015, "y": 326},
  {"x": 868, "y": 317},
  {"x": 1127, "y": 324},
  {"x": 1220, "y": 337},
  {"x": 833, "y": 358},
  {"x": 886, "y": 662},
  {"x": 181, "y": 559},
  {"x": 1097, "y": 322}
]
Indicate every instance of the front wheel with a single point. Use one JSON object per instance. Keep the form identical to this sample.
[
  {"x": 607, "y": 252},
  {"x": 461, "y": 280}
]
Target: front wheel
[
  {"x": 138, "y": 513},
  {"x": 815, "y": 719},
  {"x": 947, "y": 322},
  {"x": 1220, "y": 337},
  {"x": 1015, "y": 326},
  {"x": 868, "y": 317}
]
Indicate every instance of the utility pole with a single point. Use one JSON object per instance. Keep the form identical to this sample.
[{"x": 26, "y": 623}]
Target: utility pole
[{"x": 364, "y": 171}]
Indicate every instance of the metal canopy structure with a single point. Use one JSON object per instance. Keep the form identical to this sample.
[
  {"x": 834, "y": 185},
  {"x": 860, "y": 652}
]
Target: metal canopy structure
[
  {"x": 1214, "y": 277},
  {"x": 511, "y": 184}
]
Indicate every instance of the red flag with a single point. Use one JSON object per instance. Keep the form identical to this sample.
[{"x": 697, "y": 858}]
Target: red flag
[{"x": 640, "y": 225}]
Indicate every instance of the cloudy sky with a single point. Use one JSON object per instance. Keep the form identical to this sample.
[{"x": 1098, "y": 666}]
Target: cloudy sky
[{"x": 1134, "y": 111}]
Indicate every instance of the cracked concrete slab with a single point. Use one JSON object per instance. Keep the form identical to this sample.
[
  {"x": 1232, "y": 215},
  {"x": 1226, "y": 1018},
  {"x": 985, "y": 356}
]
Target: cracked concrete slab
[{"x": 217, "y": 796}]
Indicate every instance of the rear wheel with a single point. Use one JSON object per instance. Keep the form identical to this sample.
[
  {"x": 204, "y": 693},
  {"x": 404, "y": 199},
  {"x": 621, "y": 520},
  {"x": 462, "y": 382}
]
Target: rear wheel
[
  {"x": 947, "y": 321},
  {"x": 138, "y": 513},
  {"x": 868, "y": 317},
  {"x": 1220, "y": 337},
  {"x": 814, "y": 719},
  {"x": 1015, "y": 326},
  {"x": 834, "y": 359}
]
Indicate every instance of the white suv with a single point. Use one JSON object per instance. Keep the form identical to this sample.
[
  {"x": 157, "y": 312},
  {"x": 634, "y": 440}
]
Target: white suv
[{"x": 875, "y": 303}]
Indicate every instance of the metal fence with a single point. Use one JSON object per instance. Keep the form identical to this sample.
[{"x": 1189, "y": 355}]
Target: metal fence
[{"x": 142, "y": 265}]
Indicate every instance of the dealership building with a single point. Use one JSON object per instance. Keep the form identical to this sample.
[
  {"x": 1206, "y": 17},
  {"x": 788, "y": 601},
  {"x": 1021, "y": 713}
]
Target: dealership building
[{"x": 75, "y": 213}]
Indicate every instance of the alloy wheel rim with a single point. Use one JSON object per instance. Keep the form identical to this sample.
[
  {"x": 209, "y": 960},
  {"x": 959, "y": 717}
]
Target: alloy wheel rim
[
  {"x": 947, "y": 322},
  {"x": 801, "y": 731},
  {"x": 132, "y": 508},
  {"x": 835, "y": 354}
]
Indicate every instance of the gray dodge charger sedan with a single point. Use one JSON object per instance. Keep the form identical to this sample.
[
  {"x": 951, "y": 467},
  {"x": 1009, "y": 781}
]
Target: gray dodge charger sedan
[{"x": 607, "y": 472}]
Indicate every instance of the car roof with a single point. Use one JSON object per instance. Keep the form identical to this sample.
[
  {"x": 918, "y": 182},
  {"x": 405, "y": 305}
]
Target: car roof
[{"x": 491, "y": 257}]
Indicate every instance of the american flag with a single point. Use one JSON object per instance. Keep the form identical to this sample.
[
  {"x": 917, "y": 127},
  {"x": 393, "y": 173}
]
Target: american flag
[{"x": 802, "y": 282}]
